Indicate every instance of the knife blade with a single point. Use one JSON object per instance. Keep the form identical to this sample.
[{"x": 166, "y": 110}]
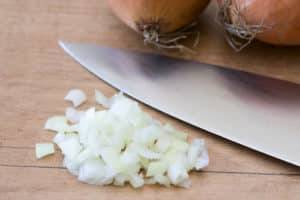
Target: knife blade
[{"x": 255, "y": 111}]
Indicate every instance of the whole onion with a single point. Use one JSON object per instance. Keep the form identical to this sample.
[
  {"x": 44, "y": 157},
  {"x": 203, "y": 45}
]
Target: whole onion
[
  {"x": 271, "y": 21},
  {"x": 157, "y": 18}
]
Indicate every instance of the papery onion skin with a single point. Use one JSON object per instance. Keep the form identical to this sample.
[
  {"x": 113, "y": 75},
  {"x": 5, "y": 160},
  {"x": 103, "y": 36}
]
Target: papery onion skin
[
  {"x": 166, "y": 15},
  {"x": 281, "y": 19}
]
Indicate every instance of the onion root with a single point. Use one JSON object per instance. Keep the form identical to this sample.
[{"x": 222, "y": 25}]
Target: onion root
[
  {"x": 174, "y": 40},
  {"x": 238, "y": 33}
]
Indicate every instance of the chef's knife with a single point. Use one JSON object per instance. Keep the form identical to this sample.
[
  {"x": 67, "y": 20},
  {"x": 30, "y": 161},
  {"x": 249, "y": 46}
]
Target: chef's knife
[{"x": 255, "y": 111}]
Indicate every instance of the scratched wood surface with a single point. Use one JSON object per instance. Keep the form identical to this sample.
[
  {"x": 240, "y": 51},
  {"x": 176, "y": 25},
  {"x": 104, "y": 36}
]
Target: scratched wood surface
[{"x": 35, "y": 74}]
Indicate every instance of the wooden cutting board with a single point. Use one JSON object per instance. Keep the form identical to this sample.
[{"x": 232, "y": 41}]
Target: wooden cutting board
[{"x": 35, "y": 75}]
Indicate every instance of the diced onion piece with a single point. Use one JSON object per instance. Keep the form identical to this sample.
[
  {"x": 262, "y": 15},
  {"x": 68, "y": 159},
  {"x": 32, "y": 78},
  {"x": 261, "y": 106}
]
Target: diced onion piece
[
  {"x": 115, "y": 98},
  {"x": 111, "y": 158},
  {"x": 70, "y": 147},
  {"x": 144, "y": 163},
  {"x": 177, "y": 173},
  {"x": 148, "y": 135},
  {"x": 202, "y": 161},
  {"x": 128, "y": 110},
  {"x": 120, "y": 179},
  {"x": 157, "y": 167},
  {"x": 73, "y": 115},
  {"x": 162, "y": 180},
  {"x": 60, "y": 137},
  {"x": 136, "y": 181},
  {"x": 85, "y": 155},
  {"x": 76, "y": 96},
  {"x": 57, "y": 123},
  {"x": 72, "y": 166},
  {"x": 44, "y": 149},
  {"x": 197, "y": 154},
  {"x": 129, "y": 160},
  {"x": 187, "y": 183},
  {"x": 178, "y": 134},
  {"x": 74, "y": 128},
  {"x": 163, "y": 143},
  {"x": 94, "y": 141},
  {"x": 151, "y": 155},
  {"x": 110, "y": 174},
  {"x": 92, "y": 172},
  {"x": 194, "y": 151},
  {"x": 102, "y": 99},
  {"x": 179, "y": 145},
  {"x": 85, "y": 124}
]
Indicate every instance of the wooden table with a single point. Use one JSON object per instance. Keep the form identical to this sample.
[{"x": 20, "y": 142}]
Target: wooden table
[{"x": 36, "y": 74}]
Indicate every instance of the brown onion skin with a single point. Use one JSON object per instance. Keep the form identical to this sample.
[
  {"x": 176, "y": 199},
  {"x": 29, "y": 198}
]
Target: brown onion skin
[
  {"x": 281, "y": 16},
  {"x": 169, "y": 14}
]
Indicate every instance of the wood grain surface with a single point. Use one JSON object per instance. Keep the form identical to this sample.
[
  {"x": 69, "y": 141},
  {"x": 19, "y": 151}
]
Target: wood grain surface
[{"x": 35, "y": 74}]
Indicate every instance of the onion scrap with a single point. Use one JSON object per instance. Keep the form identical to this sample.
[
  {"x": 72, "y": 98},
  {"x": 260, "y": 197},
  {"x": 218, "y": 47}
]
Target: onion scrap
[{"x": 123, "y": 144}]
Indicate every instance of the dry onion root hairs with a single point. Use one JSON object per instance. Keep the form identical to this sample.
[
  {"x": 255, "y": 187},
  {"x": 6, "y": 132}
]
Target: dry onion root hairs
[
  {"x": 152, "y": 36},
  {"x": 238, "y": 33}
]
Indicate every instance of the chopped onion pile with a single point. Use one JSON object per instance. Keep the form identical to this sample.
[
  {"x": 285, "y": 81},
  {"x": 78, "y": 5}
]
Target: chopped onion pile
[{"x": 123, "y": 145}]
